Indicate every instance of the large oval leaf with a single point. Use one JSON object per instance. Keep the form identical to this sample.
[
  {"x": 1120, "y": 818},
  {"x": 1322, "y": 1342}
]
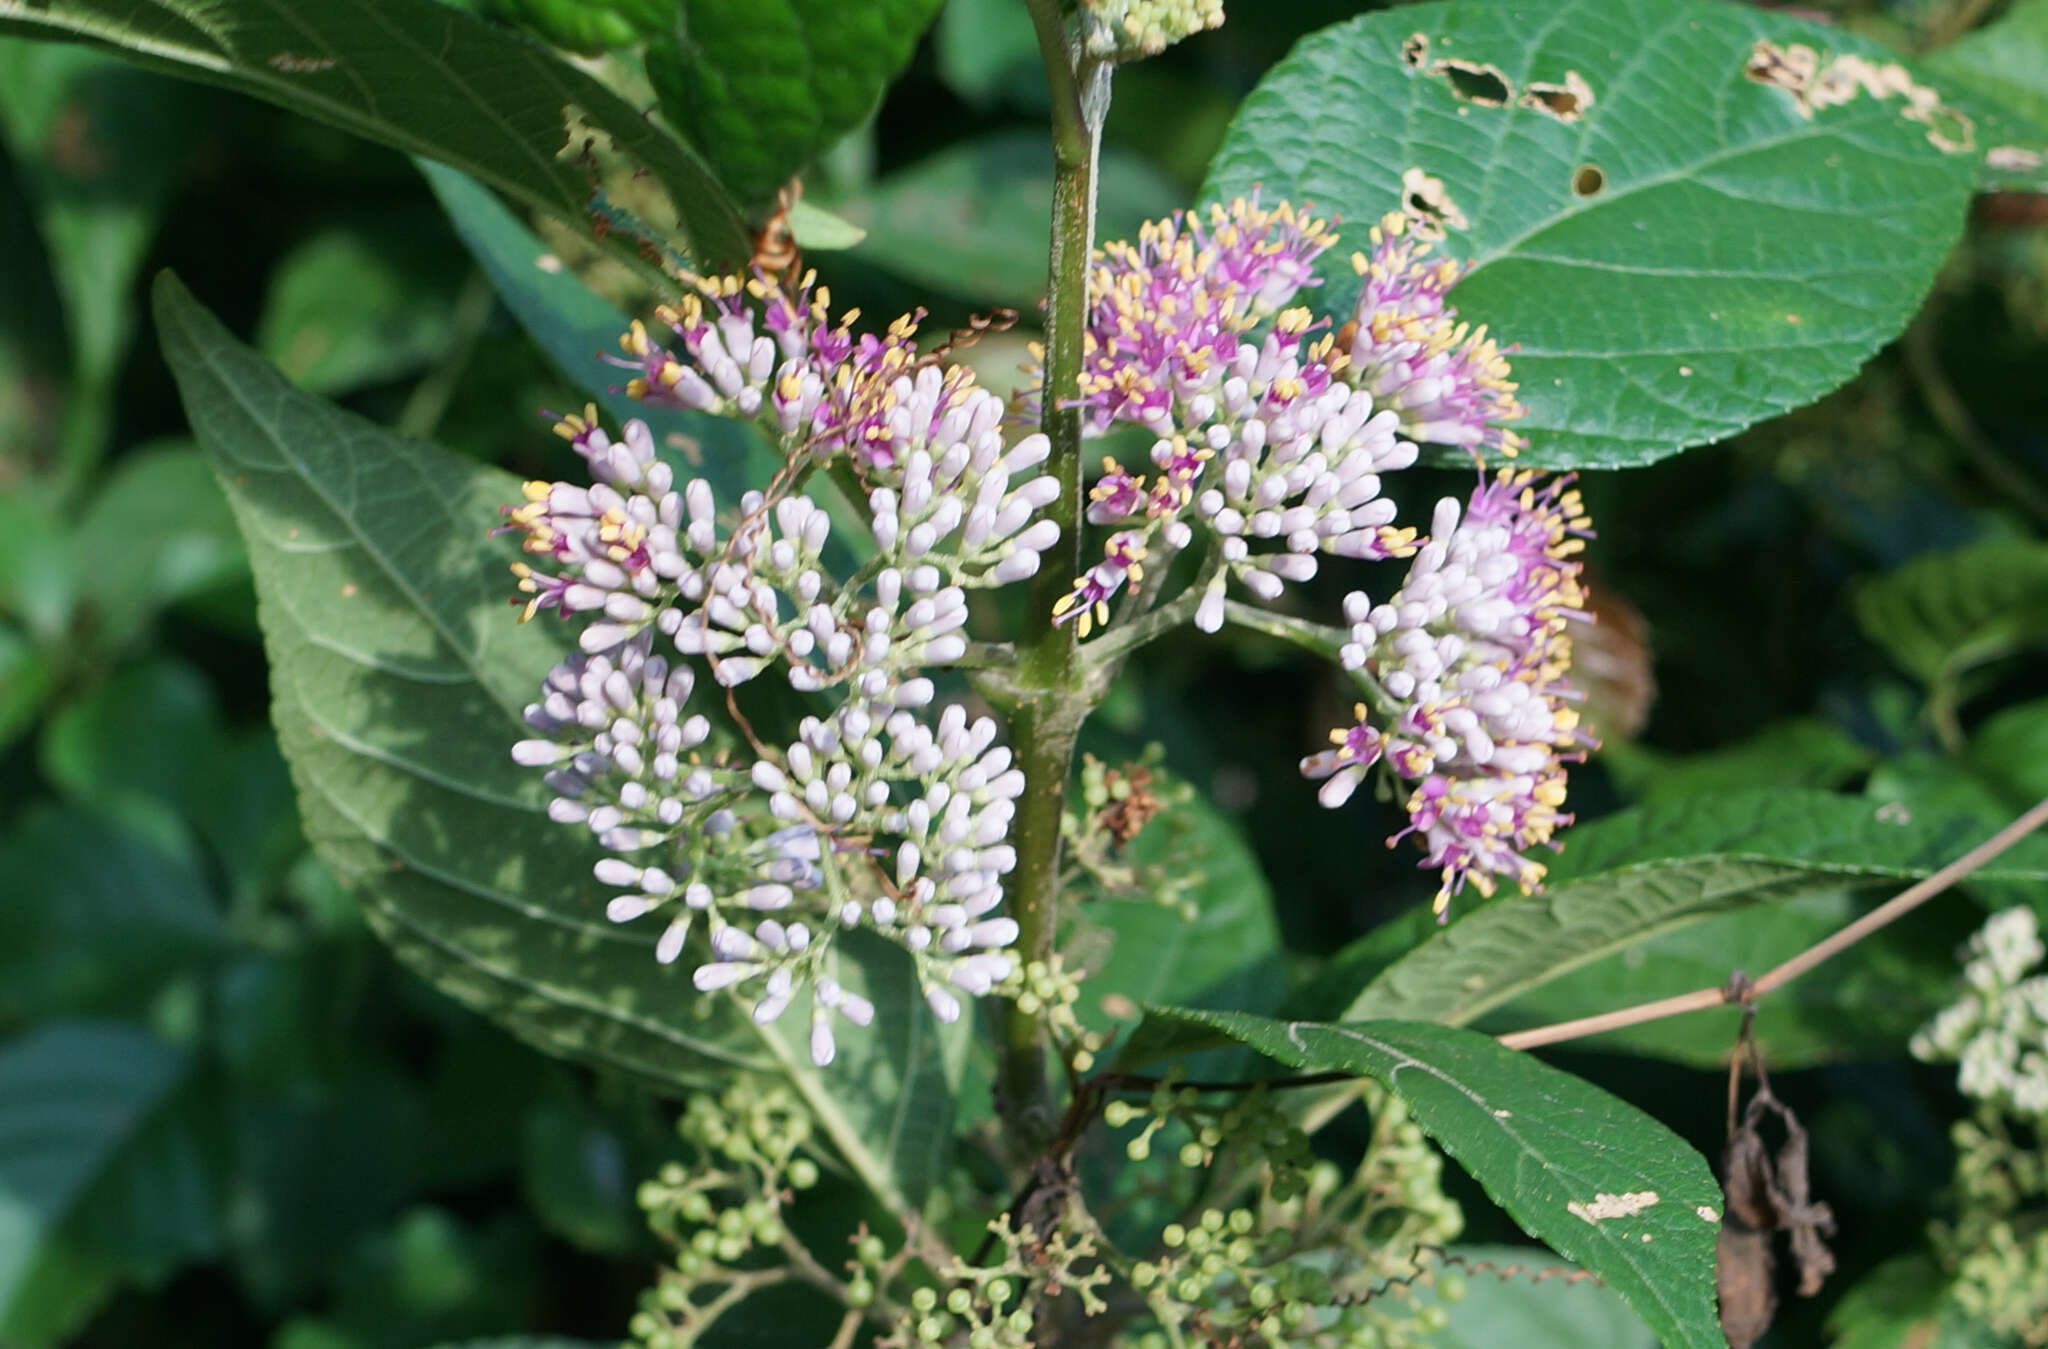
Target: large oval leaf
[
  {"x": 1605, "y": 1185},
  {"x": 1679, "y": 249},
  {"x": 422, "y": 77},
  {"x": 398, "y": 676}
]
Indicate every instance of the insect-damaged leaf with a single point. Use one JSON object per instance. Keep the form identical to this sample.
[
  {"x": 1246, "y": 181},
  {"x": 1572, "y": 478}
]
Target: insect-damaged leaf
[{"x": 1687, "y": 217}]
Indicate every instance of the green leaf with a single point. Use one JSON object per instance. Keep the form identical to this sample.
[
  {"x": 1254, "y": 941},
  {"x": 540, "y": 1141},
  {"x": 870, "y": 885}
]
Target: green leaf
[
  {"x": 578, "y": 1179},
  {"x": 134, "y": 746},
  {"x": 975, "y": 218},
  {"x": 1688, "y": 254},
  {"x": 1802, "y": 752},
  {"x": 1656, "y": 868},
  {"x": 1158, "y": 956},
  {"x": 79, "y": 1103},
  {"x": 95, "y": 916},
  {"x": 986, "y": 51},
  {"x": 2000, "y": 74},
  {"x": 1942, "y": 615},
  {"x": 1605, "y": 1185},
  {"x": 399, "y": 677},
  {"x": 1517, "y": 1295},
  {"x": 1862, "y": 1004},
  {"x": 764, "y": 86},
  {"x": 99, "y": 148},
  {"x": 358, "y": 305},
  {"x": 419, "y": 76},
  {"x": 2010, "y": 751},
  {"x": 1906, "y": 1303},
  {"x": 27, "y": 677},
  {"x": 157, "y": 532},
  {"x": 531, "y": 1342}
]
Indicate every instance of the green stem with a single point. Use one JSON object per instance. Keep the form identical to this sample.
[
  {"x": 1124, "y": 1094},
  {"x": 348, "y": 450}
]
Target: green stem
[
  {"x": 1055, "y": 687},
  {"x": 1125, "y": 638},
  {"x": 1319, "y": 638}
]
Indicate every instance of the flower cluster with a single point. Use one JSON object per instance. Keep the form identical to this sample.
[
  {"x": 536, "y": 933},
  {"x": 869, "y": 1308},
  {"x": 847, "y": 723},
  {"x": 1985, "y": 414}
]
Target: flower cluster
[
  {"x": 1466, "y": 660},
  {"x": 877, "y": 815},
  {"x": 1271, "y": 442},
  {"x": 1997, "y": 1033}
]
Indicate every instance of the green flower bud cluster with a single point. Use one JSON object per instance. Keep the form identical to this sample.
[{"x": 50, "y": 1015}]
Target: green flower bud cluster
[
  {"x": 2003, "y": 1283},
  {"x": 1319, "y": 1258},
  {"x": 992, "y": 1306},
  {"x": 1251, "y": 1124},
  {"x": 1048, "y": 988},
  {"x": 1123, "y": 30},
  {"x": 720, "y": 1214},
  {"x": 1997, "y": 1245}
]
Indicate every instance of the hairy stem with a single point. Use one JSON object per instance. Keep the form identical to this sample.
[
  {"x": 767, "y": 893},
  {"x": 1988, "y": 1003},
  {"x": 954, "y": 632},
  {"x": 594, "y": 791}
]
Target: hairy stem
[{"x": 1055, "y": 688}]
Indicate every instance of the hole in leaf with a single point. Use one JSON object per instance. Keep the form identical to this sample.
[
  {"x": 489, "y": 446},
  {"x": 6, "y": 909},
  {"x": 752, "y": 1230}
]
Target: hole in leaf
[
  {"x": 1566, "y": 102},
  {"x": 1588, "y": 180},
  {"x": 1428, "y": 205},
  {"x": 1413, "y": 48},
  {"x": 1479, "y": 84}
]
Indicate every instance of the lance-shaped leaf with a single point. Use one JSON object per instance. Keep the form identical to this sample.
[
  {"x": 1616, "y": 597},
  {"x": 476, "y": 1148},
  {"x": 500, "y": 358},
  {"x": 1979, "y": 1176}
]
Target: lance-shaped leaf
[
  {"x": 1605, "y": 1185},
  {"x": 1687, "y": 217},
  {"x": 1659, "y": 867},
  {"x": 422, "y": 77},
  {"x": 765, "y": 85},
  {"x": 398, "y": 676}
]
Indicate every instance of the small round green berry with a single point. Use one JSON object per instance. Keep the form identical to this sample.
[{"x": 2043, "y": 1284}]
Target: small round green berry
[
  {"x": 869, "y": 1250},
  {"x": 803, "y": 1173},
  {"x": 1192, "y": 1155},
  {"x": 731, "y": 1249},
  {"x": 1139, "y": 1148},
  {"x": 1144, "y": 1274},
  {"x": 695, "y": 1206},
  {"x": 999, "y": 1292},
  {"x": 931, "y": 1330},
  {"x": 860, "y": 1291},
  {"x": 923, "y": 1300},
  {"x": 1452, "y": 1287},
  {"x": 1433, "y": 1318},
  {"x": 1242, "y": 1220},
  {"x": 1174, "y": 1234},
  {"x": 1261, "y": 1296},
  {"x": 1020, "y": 1322},
  {"x": 1119, "y": 1113},
  {"x": 958, "y": 1301},
  {"x": 1189, "y": 1289}
]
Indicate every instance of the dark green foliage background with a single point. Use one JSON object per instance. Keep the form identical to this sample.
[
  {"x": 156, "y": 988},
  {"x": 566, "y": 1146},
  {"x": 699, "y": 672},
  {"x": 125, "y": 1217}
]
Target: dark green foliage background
[{"x": 302, "y": 1146}]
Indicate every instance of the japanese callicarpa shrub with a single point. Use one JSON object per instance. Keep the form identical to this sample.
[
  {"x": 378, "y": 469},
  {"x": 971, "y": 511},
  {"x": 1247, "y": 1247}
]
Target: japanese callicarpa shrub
[{"x": 888, "y": 812}]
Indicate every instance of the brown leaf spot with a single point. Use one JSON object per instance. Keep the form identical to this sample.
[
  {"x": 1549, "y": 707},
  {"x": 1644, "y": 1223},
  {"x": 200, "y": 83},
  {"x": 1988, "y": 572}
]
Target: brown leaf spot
[
  {"x": 1414, "y": 48},
  {"x": 1566, "y": 102},
  {"x": 1816, "y": 83},
  {"x": 292, "y": 64}
]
